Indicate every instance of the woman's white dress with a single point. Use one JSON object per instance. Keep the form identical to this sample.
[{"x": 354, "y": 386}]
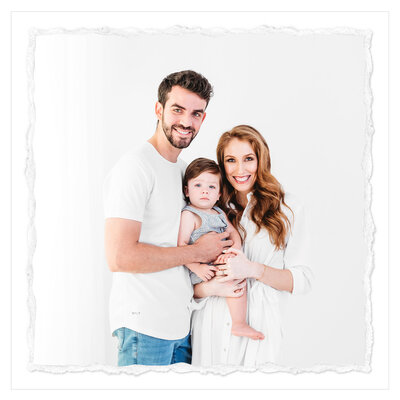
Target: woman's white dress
[{"x": 212, "y": 342}]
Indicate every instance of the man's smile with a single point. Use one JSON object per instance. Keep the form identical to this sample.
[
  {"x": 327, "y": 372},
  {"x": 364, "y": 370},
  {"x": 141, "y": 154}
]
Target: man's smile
[{"x": 184, "y": 132}]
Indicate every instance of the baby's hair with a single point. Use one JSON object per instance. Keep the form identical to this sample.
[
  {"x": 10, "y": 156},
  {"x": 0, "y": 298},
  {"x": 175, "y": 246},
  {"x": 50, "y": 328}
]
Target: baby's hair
[{"x": 197, "y": 167}]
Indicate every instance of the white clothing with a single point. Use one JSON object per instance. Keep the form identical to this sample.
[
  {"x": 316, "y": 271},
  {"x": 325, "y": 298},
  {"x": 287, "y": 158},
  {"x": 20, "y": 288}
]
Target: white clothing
[
  {"x": 145, "y": 187},
  {"x": 212, "y": 342}
]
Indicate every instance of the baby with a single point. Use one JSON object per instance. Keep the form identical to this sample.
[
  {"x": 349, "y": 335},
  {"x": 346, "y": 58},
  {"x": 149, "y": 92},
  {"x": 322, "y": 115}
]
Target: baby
[{"x": 202, "y": 186}]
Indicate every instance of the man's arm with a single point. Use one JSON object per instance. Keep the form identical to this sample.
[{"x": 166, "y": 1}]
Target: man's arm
[{"x": 125, "y": 253}]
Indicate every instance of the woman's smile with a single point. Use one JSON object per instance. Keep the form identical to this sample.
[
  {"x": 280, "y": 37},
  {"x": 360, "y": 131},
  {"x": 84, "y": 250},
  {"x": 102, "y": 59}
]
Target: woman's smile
[{"x": 241, "y": 179}]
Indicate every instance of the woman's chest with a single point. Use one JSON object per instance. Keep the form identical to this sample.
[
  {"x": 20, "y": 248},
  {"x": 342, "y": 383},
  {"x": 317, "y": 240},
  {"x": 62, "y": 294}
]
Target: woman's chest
[{"x": 258, "y": 246}]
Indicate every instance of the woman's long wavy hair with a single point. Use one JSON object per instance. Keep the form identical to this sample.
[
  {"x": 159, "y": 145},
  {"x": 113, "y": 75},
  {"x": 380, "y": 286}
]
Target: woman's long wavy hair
[{"x": 268, "y": 195}]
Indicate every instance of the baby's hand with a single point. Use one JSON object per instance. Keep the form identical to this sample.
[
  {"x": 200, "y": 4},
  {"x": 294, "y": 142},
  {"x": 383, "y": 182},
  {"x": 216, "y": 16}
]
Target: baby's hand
[
  {"x": 205, "y": 271},
  {"x": 223, "y": 258}
]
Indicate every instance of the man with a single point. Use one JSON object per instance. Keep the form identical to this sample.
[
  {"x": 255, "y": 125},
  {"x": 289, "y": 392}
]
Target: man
[{"x": 151, "y": 291}]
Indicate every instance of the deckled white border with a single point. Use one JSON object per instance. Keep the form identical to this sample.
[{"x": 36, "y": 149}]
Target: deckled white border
[{"x": 367, "y": 166}]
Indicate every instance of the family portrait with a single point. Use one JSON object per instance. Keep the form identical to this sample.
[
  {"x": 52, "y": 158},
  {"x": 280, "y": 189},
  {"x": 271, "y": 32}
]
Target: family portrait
[
  {"x": 200, "y": 199},
  {"x": 145, "y": 221}
]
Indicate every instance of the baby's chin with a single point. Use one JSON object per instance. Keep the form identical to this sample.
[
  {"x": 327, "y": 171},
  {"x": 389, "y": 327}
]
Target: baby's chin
[{"x": 202, "y": 205}]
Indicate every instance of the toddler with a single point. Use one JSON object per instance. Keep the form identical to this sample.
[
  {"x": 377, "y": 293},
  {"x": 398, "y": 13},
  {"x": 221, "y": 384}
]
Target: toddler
[{"x": 202, "y": 186}]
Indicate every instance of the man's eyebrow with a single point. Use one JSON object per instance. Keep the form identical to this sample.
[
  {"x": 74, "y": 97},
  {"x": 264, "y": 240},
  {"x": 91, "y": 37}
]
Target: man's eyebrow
[
  {"x": 183, "y": 108},
  {"x": 177, "y": 105}
]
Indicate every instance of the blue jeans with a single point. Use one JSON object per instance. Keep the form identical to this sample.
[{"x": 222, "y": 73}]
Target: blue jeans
[{"x": 137, "y": 348}]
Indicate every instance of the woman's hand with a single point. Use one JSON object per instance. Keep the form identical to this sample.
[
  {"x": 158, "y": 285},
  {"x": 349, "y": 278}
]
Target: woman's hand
[
  {"x": 219, "y": 287},
  {"x": 223, "y": 258},
  {"x": 239, "y": 267}
]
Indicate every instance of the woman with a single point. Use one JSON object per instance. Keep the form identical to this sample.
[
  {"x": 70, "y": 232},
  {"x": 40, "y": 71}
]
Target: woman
[{"x": 273, "y": 258}]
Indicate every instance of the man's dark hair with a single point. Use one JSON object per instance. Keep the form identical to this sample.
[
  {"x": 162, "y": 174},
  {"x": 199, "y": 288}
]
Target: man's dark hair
[{"x": 189, "y": 80}]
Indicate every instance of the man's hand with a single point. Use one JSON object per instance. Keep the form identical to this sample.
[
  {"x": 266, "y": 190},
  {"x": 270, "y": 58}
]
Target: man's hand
[
  {"x": 210, "y": 246},
  {"x": 204, "y": 271}
]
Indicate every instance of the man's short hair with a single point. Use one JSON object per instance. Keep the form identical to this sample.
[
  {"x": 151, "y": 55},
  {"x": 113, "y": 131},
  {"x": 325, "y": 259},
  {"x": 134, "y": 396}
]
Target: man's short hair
[{"x": 189, "y": 80}]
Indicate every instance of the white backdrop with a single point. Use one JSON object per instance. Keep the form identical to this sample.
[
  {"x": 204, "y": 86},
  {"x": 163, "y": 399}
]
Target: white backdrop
[{"x": 94, "y": 96}]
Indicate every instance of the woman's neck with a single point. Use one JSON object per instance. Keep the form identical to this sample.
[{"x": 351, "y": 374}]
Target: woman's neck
[{"x": 242, "y": 198}]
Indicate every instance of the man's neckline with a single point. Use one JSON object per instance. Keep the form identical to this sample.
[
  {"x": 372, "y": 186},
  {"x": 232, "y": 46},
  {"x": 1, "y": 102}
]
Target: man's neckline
[{"x": 166, "y": 159}]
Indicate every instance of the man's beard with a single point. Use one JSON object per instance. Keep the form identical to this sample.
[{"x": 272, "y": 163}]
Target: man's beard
[{"x": 178, "y": 142}]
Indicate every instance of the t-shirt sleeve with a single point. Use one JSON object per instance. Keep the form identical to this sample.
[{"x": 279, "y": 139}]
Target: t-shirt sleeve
[
  {"x": 127, "y": 190},
  {"x": 297, "y": 252}
]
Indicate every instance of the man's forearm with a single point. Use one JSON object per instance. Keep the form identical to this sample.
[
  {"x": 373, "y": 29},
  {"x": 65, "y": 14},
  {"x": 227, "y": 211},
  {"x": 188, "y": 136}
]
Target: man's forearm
[
  {"x": 125, "y": 253},
  {"x": 146, "y": 258}
]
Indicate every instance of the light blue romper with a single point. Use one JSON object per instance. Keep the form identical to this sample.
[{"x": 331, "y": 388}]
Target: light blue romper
[{"x": 209, "y": 223}]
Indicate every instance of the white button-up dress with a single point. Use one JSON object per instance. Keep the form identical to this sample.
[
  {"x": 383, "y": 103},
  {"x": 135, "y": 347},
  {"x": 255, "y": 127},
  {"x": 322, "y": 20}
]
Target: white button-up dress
[{"x": 212, "y": 342}]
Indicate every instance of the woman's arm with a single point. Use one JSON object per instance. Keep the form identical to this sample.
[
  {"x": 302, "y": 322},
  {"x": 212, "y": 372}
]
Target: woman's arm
[
  {"x": 280, "y": 279},
  {"x": 218, "y": 287},
  {"x": 296, "y": 277},
  {"x": 241, "y": 267}
]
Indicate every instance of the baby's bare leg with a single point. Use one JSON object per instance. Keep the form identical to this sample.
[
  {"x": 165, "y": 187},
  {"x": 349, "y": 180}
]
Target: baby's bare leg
[{"x": 237, "y": 308}]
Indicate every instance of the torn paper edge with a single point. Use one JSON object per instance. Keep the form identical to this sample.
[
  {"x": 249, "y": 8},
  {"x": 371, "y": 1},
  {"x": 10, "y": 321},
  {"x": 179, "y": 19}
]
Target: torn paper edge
[{"x": 367, "y": 166}]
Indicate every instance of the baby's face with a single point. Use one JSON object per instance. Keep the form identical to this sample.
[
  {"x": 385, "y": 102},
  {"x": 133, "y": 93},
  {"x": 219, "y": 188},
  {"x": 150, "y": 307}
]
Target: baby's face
[{"x": 203, "y": 191}]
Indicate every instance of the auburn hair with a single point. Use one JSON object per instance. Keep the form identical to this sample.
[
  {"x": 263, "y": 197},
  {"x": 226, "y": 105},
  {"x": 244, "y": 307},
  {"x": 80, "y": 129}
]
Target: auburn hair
[{"x": 268, "y": 195}]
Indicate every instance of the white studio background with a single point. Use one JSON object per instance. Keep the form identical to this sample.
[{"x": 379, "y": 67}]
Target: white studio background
[
  {"x": 94, "y": 97},
  {"x": 23, "y": 318}
]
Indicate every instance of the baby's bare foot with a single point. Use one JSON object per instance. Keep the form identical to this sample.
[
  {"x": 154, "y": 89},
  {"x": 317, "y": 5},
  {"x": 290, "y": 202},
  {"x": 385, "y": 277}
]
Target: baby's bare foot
[{"x": 246, "y": 330}]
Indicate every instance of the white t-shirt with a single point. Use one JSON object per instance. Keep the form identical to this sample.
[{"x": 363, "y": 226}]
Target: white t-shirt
[{"x": 145, "y": 187}]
